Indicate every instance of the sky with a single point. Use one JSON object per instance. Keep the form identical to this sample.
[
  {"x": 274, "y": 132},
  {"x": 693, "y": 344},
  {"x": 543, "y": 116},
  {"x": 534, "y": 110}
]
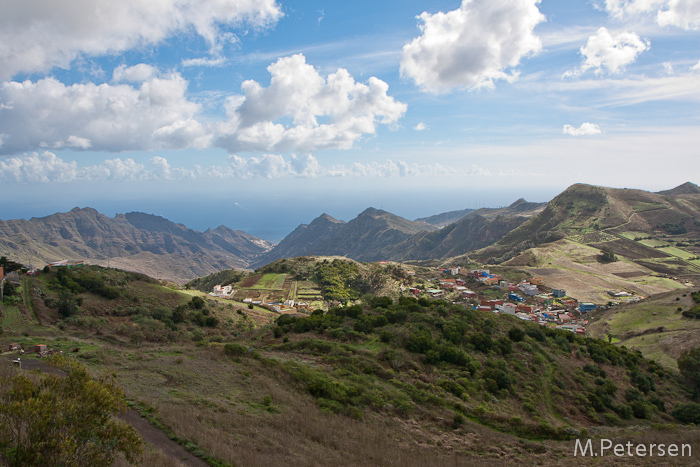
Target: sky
[{"x": 263, "y": 114}]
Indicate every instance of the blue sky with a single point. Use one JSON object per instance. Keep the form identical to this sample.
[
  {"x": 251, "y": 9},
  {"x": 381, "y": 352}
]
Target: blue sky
[{"x": 261, "y": 115}]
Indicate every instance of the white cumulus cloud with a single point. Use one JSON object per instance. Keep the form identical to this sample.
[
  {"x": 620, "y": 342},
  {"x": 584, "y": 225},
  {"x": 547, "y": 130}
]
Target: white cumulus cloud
[
  {"x": 605, "y": 51},
  {"x": 680, "y": 13},
  {"x": 151, "y": 113},
  {"x": 38, "y": 35},
  {"x": 303, "y": 111},
  {"x": 585, "y": 129},
  {"x": 472, "y": 46},
  {"x": 420, "y": 126}
]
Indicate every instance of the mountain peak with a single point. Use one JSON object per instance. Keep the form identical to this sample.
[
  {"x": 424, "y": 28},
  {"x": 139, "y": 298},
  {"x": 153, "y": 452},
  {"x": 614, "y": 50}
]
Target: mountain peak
[{"x": 686, "y": 188}]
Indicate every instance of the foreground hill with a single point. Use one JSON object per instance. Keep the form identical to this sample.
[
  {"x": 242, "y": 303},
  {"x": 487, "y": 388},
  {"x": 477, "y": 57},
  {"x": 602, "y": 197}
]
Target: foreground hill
[
  {"x": 388, "y": 381},
  {"x": 134, "y": 241}
]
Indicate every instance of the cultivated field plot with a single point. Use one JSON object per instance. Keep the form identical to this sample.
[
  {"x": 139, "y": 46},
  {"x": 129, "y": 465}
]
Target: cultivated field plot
[
  {"x": 674, "y": 251},
  {"x": 641, "y": 206},
  {"x": 278, "y": 287},
  {"x": 653, "y": 243},
  {"x": 632, "y": 235},
  {"x": 13, "y": 319},
  {"x": 633, "y": 250}
]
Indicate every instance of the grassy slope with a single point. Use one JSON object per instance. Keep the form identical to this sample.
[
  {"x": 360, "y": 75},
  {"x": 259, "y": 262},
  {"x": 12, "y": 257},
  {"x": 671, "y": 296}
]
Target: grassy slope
[
  {"x": 636, "y": 326},
  {"x": 308, "y": 398},
  {"x": 573, "y": 266}
]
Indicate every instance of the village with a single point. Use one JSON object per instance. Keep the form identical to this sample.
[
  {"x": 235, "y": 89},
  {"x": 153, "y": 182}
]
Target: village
[{"x": 529, "y": 300}]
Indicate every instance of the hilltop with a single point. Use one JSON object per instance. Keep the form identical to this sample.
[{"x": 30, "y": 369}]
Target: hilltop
[
  {"x": 598, "y": 215},
  {"x": 376, "y": 235}
]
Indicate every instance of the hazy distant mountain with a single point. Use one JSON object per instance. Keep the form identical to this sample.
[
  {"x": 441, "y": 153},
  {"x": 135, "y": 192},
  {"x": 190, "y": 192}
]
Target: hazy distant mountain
[
  {"x": 588, "y": 210},
  {"x": 477, "y": 229},
  {"x": 446, "y": 218},
  {"x": 134, "y": 241}
]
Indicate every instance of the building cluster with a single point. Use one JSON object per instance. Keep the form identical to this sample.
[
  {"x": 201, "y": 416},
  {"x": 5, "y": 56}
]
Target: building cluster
[{"x": 529, "y": 300}]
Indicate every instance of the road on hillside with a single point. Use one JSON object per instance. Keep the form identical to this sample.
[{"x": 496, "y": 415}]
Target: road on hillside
[{"x": 150, "y": 434}]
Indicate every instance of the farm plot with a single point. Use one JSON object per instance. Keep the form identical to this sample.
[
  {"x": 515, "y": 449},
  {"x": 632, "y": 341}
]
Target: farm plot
[
  {"x": 631, "y": 235},
  {"x": 270, "y": 281},
  {"x": 653, "y": 243},
  {"x": 674, "y": 251},
  {"x": 633, "y": 250},
  {"x": 12, "y": 318},
  {"x": 593, "y": 237}
]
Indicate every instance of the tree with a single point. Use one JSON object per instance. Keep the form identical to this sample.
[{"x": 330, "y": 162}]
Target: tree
[
  {"x": 61, "y": 421},
  {"x": 689, "y": 366},
  {"x": 67, "y": 303},
  {"x": 608, "y": 255}
]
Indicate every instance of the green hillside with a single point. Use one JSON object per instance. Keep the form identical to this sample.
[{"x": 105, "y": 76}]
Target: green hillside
[
  {"x": 660, "y": 327},
  {"x": 605, "y": 216},
  {"x": 383, "y": 380}
]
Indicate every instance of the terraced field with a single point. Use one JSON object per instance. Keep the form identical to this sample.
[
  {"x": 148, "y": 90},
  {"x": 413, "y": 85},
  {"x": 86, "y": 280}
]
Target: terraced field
[
  {"x": 12, "y": 319},
  {"x": 274, "y": 287}
]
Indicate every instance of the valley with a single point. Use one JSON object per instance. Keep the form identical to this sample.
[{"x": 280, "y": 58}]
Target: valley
[{"x": 408, "y": 343}]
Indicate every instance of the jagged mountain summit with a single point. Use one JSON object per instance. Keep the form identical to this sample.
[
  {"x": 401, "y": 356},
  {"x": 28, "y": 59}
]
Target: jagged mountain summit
[{"x": 364, "y": 238}]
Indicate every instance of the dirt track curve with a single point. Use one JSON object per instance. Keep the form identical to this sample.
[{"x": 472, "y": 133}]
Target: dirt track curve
[{"x": 150, "y": 434}]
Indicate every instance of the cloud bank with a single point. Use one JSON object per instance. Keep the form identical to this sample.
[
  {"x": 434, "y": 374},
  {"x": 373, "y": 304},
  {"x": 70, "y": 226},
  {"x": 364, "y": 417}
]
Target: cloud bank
[
  {"x": 47, "y": 167},
  {"x": 143, "y": 109},
  {"x": 152, "y": 114}
]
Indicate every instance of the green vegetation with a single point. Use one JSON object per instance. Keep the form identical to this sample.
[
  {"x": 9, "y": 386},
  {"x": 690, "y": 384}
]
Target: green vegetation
[
  {"x": 54, "y": 420},
  {"x": 207, "y": 283},
  {"x": 472, "y": 358},
  {"x": 12, "y": 318},
  {"x": 218, "y": 377},
  {"x": 337, "y": 280},
  {"x": 608, "y": 256},
  {"x": 689, "y": 366}
]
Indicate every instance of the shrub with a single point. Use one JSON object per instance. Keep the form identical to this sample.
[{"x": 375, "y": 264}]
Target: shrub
[
  {"x": 235, "y": 350},
  {"x": 197, "y": 303},
  {"x": 639, "y": 410},
  {"x": 594, "y": 370},
  {"x": 516, "y": 334},
  {"x": 687, "y": 413},
  {"x": 536, "y": 333}
]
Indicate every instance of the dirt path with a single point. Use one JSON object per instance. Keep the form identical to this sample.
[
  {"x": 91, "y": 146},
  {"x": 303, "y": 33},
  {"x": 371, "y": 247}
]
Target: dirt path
[
  {"x": 150, "y": 434},
  {"x": 158, "y": 439}
]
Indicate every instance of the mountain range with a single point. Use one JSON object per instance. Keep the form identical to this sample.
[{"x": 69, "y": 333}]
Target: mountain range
[
  {"x": 593, "y": 215},
  {"x": 134, "y": 241}
]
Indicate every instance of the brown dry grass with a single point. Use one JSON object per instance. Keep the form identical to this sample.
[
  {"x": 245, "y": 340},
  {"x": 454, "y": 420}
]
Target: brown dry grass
[{"x": 219, "y": 404}]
